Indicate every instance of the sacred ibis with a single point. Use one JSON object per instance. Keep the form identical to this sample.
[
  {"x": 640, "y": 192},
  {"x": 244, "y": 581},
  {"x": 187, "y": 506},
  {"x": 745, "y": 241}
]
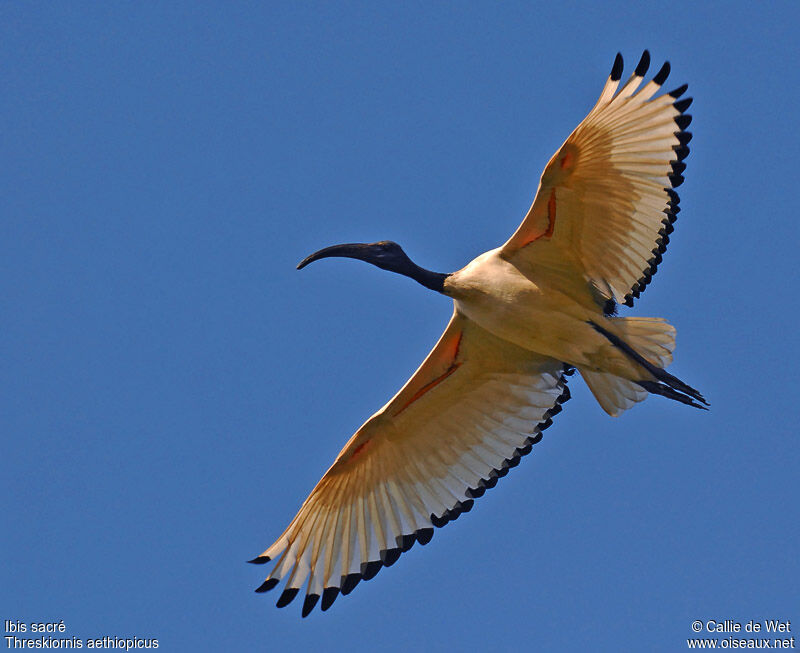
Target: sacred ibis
[{"x": 526, "y": 315}]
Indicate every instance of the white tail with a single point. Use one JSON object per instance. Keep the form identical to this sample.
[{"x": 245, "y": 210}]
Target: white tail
[{"x": 651, "y": 337}]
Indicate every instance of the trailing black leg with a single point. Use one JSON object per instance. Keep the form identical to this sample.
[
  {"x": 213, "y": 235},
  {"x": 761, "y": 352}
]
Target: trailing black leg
[{"x": 656, "y": 388}]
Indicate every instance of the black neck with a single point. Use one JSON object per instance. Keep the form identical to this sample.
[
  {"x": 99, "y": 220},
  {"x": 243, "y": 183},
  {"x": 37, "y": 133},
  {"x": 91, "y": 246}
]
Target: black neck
[
  {"x": 385, "y": 255},
  {"x": 431, "y": 280}
]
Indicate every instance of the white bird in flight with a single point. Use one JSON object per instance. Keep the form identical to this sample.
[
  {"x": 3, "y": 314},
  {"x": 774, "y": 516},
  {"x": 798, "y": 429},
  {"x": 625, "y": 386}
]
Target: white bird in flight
[{"x": 525, "y": 316}]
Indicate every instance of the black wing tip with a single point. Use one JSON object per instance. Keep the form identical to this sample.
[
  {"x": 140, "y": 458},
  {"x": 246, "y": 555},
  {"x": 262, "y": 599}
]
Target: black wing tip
[
  {"x": 643, "y": 65},
  {"x": 616, "y": 69},
  {"x": 260, "y": 560},
  {"x": 438, "y": 522},
  {"x": 267, "y": 585},
  {"x": 370, "y": 569},
  {"x": 329, "y": 595},
  {"x": 390, "y": 556},
  {"x": 349, "y": 583},
  {"x": 287, "y": 597},
  {"x": 309, "y": 603},
  {"x": 678, "y": 91},
  {"x": 662, "y": 74},
  {"x": 424, "y": 535},
  {"x": 682, "y": 105},
  {"x": 464, "y": 506},
  {"x": 683, "y": 120},
  {"x": 405, "y": 542},
  {"x": 678, "y": 167},
  {"x": 681, "y": 152},
  {"x": 476, "y": 492}
]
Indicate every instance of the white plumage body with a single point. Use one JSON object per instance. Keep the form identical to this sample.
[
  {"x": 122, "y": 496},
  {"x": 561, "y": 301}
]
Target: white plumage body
[{"x": 536, "y": 314}]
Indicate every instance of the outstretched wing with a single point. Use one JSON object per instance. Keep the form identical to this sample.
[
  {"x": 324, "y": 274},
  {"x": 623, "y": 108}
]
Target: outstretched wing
[
  {"x": 475, "y": 406},
  {"x": 605, "y": 200}
]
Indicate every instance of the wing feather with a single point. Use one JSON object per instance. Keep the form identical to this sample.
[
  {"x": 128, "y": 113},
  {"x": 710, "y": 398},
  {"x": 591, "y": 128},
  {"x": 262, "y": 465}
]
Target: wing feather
[
  {"x": 474, "y": 407},
  {"x": 605, "y": 199}
]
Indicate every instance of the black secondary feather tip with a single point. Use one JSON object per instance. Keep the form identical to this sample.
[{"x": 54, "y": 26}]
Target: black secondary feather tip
[
  {"x": 616, "y": 69},
  {"x": 643, "y": 65}
]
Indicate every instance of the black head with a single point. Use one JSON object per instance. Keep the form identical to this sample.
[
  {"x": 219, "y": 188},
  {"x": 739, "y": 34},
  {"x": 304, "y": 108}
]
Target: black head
[{"x": 385, "y": 254}]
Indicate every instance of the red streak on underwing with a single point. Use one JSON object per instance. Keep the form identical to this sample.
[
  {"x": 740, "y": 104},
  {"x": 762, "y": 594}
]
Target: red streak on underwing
[
  {"x": 567, "y": 160},
  {"x": 451, "y": 348},
  {"x": 551, "y": 215},
  {"x": 359, "y": 448},
  {"x": 551, "y": 221},
  {"x": 430, "y": 386},
  {"x": 451, "y": 351}
]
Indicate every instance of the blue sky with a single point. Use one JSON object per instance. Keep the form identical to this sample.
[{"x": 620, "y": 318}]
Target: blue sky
[{"x": 172, "y": 388}]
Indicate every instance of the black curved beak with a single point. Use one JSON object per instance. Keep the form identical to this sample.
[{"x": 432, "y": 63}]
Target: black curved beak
[{"x": 348, "y": 250}]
